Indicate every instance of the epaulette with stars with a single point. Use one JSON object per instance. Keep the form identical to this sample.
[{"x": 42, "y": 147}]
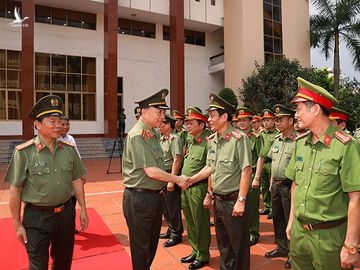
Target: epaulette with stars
[
  {"x": 146, "y": 133},
  {"x": 299, "y": 136},
  {"x": 342, "y": 137},
  {"x": 24, "y": 145},
  {"x": 255, "y": 134},
  {"x": 236, "y": 134}
]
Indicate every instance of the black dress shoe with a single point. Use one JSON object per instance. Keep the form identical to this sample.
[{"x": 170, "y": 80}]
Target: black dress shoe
[
  {"x": 276, "y": 253},
  {"x": 172, "y": 242},
  {"x": 164, "y": 235},
  {"x": 264, "y": 211},
  {"x": 270, "y": 215},
  {"x": 288, "y": 264},
  {"x": 253, "y": 240},
  {"x": 197, "y": 264},
  {"x": 188, "y": 259}
]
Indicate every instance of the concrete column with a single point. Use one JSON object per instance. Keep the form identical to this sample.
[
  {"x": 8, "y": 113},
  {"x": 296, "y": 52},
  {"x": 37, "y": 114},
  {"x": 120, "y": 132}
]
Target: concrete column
[
  {"x": 27, "y": 67},
  {"x": 177, "y": 83},
  {"x": 110, "y": 68}
]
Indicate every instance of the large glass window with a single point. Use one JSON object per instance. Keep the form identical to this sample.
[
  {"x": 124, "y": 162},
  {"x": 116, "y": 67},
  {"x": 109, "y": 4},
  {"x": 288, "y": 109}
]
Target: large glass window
[
  {"x": 191, "y": 37},
  {"x": 10, "y": 85},
  {"x": 63, "y": 17},
  {"x": 272, "y": 29},
  {"x": 136, "y": 28},
  {"x": 71, "y": 77}
]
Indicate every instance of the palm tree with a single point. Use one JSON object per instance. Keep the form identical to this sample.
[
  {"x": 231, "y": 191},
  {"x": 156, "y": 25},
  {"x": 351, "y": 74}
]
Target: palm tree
[{"x": 337, "y": 19}]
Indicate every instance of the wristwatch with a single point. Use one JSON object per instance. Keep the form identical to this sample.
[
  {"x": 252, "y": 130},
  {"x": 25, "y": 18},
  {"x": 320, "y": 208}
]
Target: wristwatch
[
  {"x": 241, "y": 199},
  {"x": 351, "y": 249}
]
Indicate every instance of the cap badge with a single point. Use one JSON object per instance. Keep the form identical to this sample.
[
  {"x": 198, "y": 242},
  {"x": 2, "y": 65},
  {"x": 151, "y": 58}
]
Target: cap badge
[
  {"x": 266, "y": 112},
  {"x": 163, "y": 95},
  {"x": 277, "y": 109},
  {"x": 241, "y": 111},
  {"x": 212, "y": 99},
  {"x": 138, "y": 110},
  {"x": 54, "y": 102}
]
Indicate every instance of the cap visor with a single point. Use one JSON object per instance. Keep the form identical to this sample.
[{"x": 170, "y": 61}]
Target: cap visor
[{"x": 298, "y": 99}]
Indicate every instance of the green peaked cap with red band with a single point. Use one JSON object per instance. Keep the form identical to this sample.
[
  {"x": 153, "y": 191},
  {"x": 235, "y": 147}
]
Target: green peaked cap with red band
[{"x": 308, "y": 91}]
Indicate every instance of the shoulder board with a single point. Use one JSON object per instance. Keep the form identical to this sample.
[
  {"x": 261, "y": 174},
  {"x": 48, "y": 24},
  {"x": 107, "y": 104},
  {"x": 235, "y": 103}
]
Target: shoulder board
[
  {"x": 209, "y": 138},
  {"x": 24, "y": 145},
  {"x": 236, "y": 134},
  {"x": 255, "y": 134},
  {"x": 278, "y": 135},
  {"x": 342, "y": 137},
  {"x": 299, "y": 136},
  {"x": 67, "y": 143}
]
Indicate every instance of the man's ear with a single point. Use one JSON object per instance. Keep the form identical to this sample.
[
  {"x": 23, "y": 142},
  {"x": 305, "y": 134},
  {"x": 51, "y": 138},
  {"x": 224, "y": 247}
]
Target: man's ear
[
  {"x": 316, "y": 109},
  {"x": 37, "y": 124}
]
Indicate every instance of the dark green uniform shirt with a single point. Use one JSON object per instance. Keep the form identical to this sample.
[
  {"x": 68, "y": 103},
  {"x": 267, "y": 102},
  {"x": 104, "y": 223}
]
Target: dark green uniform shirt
[
  {"x": 141, "y": 150},
  {"x": 195, "y": 157},
  {"x": 171, "y": 146},
  {"x": 255, "y": 147},
  {"x": 280, "y": 154},
  {"x": 46, "y": 177},
  {"x": 227, "y": 157},
  {"x": 267, "y": 138},
  {"x": 323, "y": 172}
]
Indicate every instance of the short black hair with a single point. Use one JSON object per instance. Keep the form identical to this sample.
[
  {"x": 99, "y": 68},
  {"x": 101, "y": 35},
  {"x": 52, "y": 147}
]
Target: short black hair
[
  {"x": 309, "y": 104},
  {"x": 221, "y": 112}
]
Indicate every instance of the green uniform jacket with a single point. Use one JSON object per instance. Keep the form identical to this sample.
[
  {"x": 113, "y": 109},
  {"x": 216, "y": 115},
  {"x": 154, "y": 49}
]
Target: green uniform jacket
[
  {"x": 141, "y": 150},
  {"x": 46, "y": 178},
  {"x": 171, "y": 146},
  {"x": 227, "y": 157},
  {"x": 255, "y": 146},
  {"x": 323, "y": 173},
  {"x": 280, "y": 154},
  {"x": 267, "y": 139},
  {"x": 195, "y": 158}
]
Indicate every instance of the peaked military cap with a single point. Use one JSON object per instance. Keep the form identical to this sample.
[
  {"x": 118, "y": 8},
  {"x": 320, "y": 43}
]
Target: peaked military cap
[
  {"x": 48, "y": 105},
  {"x": 169, "y": 119},
  {"x": 281, "y": 110},
  {"x": 256, "y": 118},
  {"x": 156, "y": 100},
  {"x": 244, "y": 112},
  {"x": 234, "y": 117},
  {"x": 217, "y": 102},
  {"x": 137, "y": 111},
  {"x": 177, "y": 115},
  {"x": 194, "y": 113},
  {"x": 338, "y": 114},
  {"x": 311, "y": 92},
  {"x": 267, "y": 113}
]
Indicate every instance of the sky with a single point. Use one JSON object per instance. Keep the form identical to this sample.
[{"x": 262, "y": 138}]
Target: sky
[{"x": 318, "y": 59}]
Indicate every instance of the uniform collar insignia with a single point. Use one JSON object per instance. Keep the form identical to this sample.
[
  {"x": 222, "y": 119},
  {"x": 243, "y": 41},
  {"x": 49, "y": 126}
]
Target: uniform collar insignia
[
  {"x": 60, "y": 145},
  {"x": 199, "y": 140},
  {"x": 249, "y": 135},
  {"x": 149, "y": 134},
  {"x": 327, "y": 140},
  {"x": 227, "y": 136},
  {"x": 143, "y": 134},
  {"x": 292, "y": 137},
  {"x": 39, "y": 146}
]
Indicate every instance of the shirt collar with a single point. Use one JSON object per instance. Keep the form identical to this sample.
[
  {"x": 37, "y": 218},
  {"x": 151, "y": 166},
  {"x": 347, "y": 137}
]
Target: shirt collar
[
  {"x": 226, "y": 136},
  {"x": 40, "y": 144},
  {"x": 324, "y": 139},
  {"x": 291, "y": 137}
]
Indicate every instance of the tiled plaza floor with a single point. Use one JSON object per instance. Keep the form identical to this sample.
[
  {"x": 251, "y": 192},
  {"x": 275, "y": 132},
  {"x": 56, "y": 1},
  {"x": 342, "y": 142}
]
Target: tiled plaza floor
[{"x": 104, "y": 193}]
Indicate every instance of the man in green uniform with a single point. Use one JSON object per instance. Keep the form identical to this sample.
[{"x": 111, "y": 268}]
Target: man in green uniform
[
  {"x": 229, "y": 165},
  {"x": 280, "y": 154},
  {"x": 144, "y": 178},
  {"x": 172, "y": 147},
  {"x": 45, "y": 173},
  {"x": 244, "y": 116},
  {"x": 338, "y": 118},
  {"x": 325, "y": 194},
  {"x": 179, "y": 125},
  {"x": 263, "y": 169},
  {"x": 197, "y": 218}
]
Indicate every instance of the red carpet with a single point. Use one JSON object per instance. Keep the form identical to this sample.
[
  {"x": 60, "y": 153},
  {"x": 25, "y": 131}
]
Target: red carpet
[{"x": 97, "y": 248}]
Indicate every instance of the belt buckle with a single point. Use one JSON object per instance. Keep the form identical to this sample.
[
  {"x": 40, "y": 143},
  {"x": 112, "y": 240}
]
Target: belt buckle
[
  {"x": 308, "y": 227},
  {"x": 58, "y": 209}
]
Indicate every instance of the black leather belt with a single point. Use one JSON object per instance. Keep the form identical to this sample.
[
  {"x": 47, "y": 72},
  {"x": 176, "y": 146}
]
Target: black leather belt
[
  {"x": 144, "y": 190},
  {"x": 282, "y": 182},
  {"x": 324, "y": 225},
  {"x": 55, "y": 209},
  {"x": 228, "y": 197}
]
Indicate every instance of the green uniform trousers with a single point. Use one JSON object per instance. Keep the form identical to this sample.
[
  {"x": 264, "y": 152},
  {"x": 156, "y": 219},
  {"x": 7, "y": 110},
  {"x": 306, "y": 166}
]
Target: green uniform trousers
[
  {"x": 252, "y": 204},
  {"x": 317, "y": 249},
  {"x": 197, "y": 220},
  {"x": 265, "y": 184}
]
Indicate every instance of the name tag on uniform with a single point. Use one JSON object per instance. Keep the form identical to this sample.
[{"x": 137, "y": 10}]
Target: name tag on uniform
[{"x": 299, "y": 158}]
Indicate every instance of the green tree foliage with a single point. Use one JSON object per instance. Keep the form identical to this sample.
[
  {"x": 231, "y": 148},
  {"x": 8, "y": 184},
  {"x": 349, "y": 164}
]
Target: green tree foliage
[
  {"x": 275, "y": 82},
  {"x": 229, "y": 95},
  {"x": 336, "y": 19}
]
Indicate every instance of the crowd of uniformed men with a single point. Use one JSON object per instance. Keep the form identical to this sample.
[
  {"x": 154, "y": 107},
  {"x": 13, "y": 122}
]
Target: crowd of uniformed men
[
  {"x": 300, "y": 157},
  {"x": 302, "y": 161}
]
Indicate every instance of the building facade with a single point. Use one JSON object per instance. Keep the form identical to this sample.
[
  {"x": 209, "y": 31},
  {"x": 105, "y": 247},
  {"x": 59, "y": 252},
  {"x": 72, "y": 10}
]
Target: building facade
[{"x": 69, "y": 51}]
